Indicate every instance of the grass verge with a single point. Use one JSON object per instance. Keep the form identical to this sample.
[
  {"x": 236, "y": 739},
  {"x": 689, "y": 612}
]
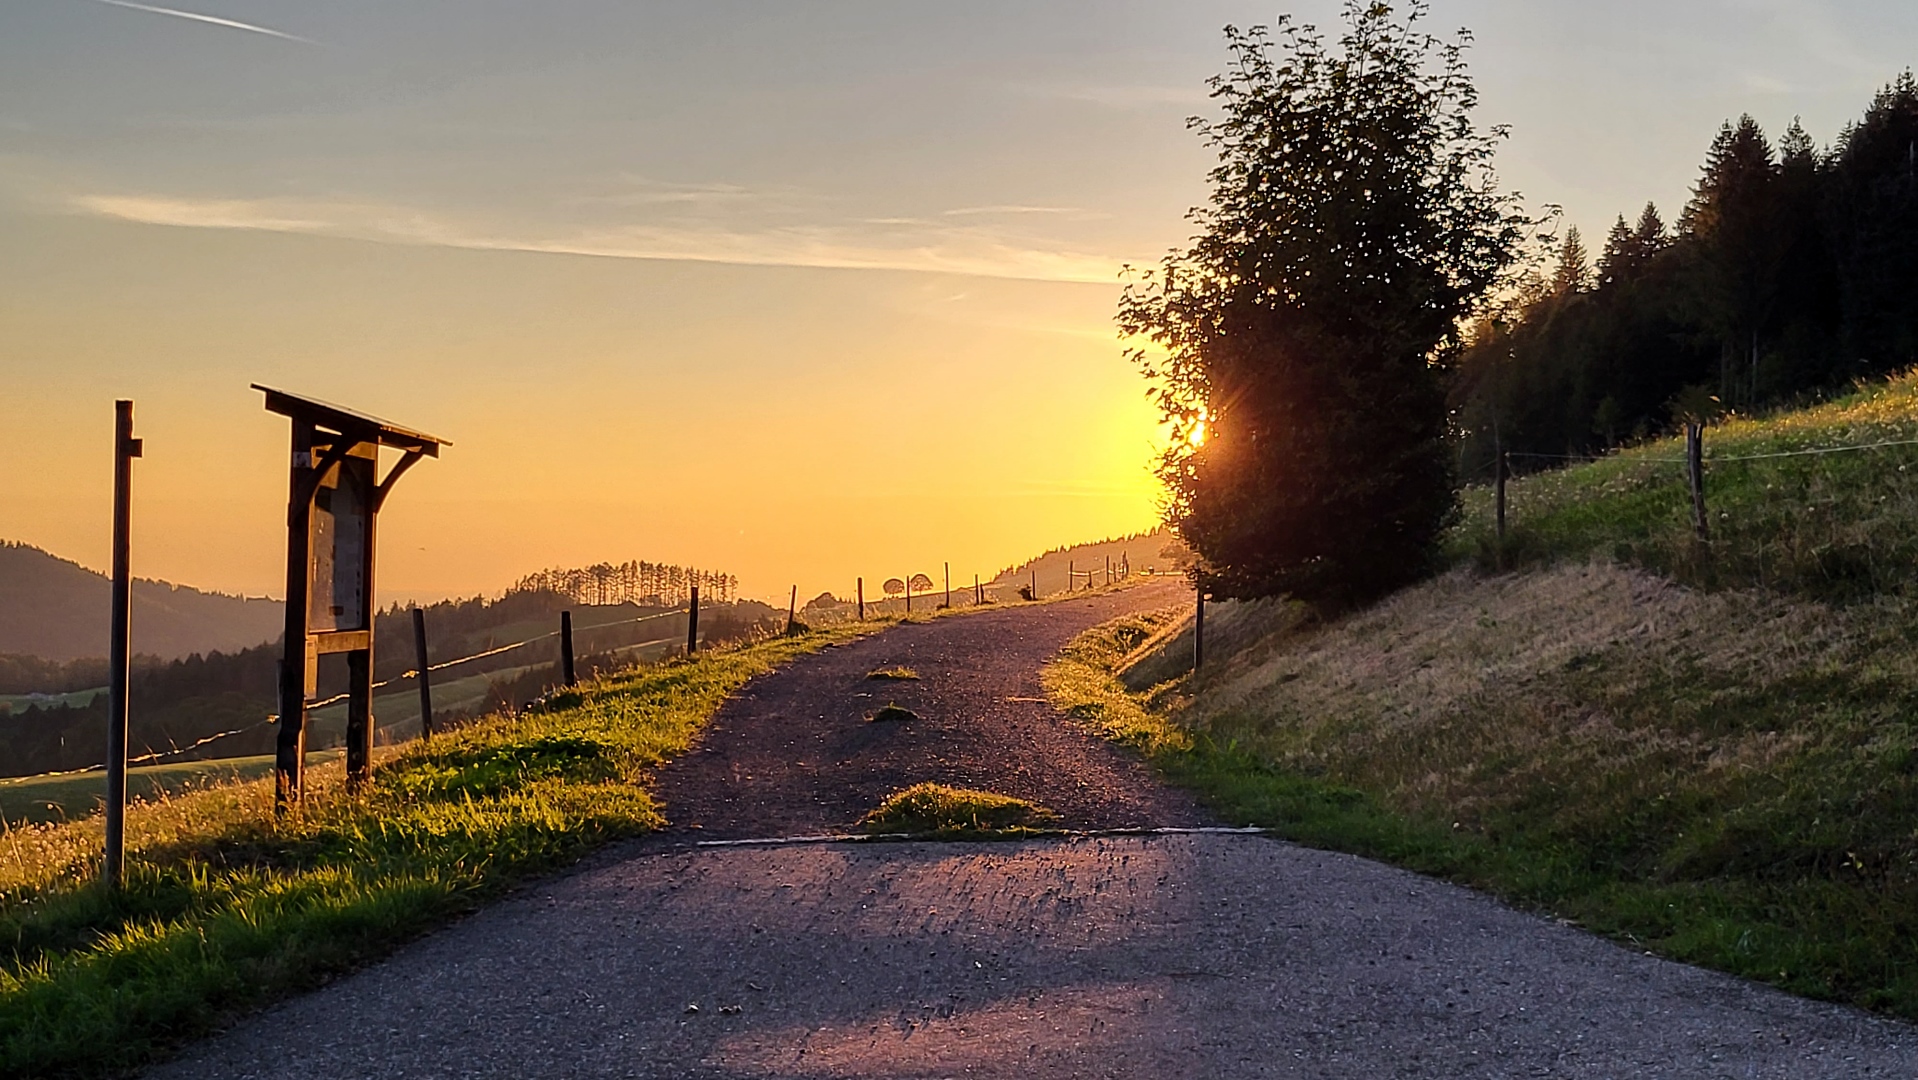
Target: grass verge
[
  {"x": 956, "y": 813},
  {"x": 1794, "y": 869},
  {"x": 226, "y": 908}
]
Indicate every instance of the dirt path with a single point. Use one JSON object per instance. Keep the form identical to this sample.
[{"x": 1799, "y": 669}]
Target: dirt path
[
  {"x": 794, "y": 753},
  {"x": 1206, "y": 956}
]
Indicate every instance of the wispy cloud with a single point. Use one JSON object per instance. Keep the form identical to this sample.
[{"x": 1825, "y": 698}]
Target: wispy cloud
[
  {"x": 996, "y": 211},
  {"x": 211, "y": 20},
  {"x": 894, "y": 244}
]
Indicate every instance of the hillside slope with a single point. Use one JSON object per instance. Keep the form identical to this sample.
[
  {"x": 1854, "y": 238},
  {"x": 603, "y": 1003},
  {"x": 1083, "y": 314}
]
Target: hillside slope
[
  {"x": 1708, "y": 749},
  {"x": 1159, "y": 551},
  {"x": 56, "y": 609}
]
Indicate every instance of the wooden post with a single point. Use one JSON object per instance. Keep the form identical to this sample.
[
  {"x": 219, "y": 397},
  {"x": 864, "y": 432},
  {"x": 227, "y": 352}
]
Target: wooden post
[
  {"x": 792, "y": 611},
  {"x": 908, "y": 595},
  {"x": 948, "y": 586},
  {"x": 859, "y": 586},
  {"x": 1695, "y": 473},
  {"x": 359, "y": 717},
  {"x": 1502, "y": 468},
  {"x": 978, "y": 592},
  {"x": 289, "y": 753},
  {"x": 692, "y": 623},
  {"x": 1072, "y": 575},
  {"x": 566, "y": 648},
  {"x": 1035, "y": 582},
  {"x": 1198, "y": 630},
  {"x": 125, "y": 449},
  {"x": 426, "y": 681},
  {"x": 1108, "y": 569}
]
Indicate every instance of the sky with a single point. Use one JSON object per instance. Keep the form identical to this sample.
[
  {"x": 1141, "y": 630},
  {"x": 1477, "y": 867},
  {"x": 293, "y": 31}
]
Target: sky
[{"x": 801, "y": 290}]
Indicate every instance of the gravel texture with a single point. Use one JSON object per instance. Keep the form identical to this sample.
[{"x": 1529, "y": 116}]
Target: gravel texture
[
  {"x": 794, "y": 752},
  {"x": 1165, "y": 956}
]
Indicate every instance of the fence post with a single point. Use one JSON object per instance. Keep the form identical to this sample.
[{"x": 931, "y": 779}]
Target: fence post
[
  {"x": 792, "y": 611},
  {"x": 566, "y": 647},
  {"x": 692, "y": 623},
  {"x": 978, "y": 591},
  {"x": 859, "y": 585},
  {"x": 1072, "y": 574},
  {"x": 426, "y": 683},
  {"x": 1502, "y": 467},
  {"x": 1198, "y": 629},
  {"x": 1695, "y": 473},
  {"x": 948, "y": 586},
  {"x": 1035, "y": 582},
  {"x": 908, "y": 595},
  {"x": 125, "y": 449}
]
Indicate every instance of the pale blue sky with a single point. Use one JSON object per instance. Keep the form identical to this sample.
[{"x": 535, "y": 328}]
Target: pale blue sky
[{"x": 808, "y": 206}]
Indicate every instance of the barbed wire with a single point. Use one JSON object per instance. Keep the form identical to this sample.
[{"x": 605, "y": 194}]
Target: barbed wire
[{"x": 1710, "y": 458}]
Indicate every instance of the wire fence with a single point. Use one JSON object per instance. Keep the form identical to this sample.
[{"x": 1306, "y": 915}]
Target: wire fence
[{"x": 155, "y": 757}]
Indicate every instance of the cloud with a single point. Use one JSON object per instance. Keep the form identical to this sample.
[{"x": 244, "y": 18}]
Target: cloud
[
  {"x": 890, "y": 244},
  {"x": 211, "y": 20}
]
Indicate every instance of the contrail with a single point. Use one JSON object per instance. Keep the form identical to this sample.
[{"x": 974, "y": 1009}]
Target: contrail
[{"x": 211, "y": 19}]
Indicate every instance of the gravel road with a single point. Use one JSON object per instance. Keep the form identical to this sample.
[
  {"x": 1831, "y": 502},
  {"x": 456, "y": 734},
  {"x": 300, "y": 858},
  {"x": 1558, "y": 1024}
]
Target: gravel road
[{"x": 1210, "y": 955}]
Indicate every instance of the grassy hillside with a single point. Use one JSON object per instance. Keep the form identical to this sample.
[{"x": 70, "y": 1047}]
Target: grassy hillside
[
  {"x": 56, "y": 609},
  {"x": 1158, "y": 550},
  {"x": 228, "y": 907},
  {"x": 1705, "y": 750}
]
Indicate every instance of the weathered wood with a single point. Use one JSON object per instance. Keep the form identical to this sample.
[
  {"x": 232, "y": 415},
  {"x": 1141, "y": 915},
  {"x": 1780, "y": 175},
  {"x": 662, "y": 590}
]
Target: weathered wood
[
  {"x": 289, "y": 758},
  {"x": 1072, "y": 575},
  {"x": 425, "y": 676},
  {"x": 978, "y": 591},
  {"x": 908, "y": 580},
  {"x": 859, "y": 586},
  {"x": 948, "y": 586},
  {"x": 566, "y": 674},
  {"x": 1695, "y": 474},
  {"x": 1034, "y": 587},
  {"x": 792, "y": 612},
  {"x": 359, "y": 718},
  {"x": 692, "y": 623},
  {"x": 119, "y": 652}
]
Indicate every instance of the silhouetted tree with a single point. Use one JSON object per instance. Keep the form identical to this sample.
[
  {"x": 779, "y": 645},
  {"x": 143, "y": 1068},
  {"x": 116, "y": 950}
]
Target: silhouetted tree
[{"x": 1354, "y": 221}]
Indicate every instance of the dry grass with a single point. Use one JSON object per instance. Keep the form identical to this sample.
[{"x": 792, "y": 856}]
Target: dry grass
[{"x": 939, "y": 810}]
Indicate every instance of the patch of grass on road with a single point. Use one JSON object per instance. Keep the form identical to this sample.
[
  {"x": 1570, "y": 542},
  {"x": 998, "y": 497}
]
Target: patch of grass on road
[
  {"x": 938, "y": 810},
  {"x": 893, "y": 674},
  {"x": 227, "y": 908},
  {"x": 1688, "y": 875}
]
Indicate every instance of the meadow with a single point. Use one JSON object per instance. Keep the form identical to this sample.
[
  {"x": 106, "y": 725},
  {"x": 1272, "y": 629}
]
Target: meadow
[
  {"x": 1705, "y": 750},
  {"x": 227, "y": 907}
]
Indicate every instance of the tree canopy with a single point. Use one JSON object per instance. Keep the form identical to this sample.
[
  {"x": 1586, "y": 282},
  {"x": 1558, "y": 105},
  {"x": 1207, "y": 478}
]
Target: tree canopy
[{"x": 1297, "y": 348}]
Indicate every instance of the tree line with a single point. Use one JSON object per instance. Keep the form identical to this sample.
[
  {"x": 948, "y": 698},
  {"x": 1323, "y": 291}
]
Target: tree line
[
  {"x": 644, "y": 583},
  {"x": 1791, "y": 272}
]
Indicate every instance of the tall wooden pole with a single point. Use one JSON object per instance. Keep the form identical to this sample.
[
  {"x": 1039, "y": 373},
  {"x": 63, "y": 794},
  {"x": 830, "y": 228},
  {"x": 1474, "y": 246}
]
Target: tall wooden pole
[
  {"x": 125, "y": 449},
  {"x": 566, "y": 673},
  {"x": 1072, "y": 574},
  {"x": 792, "y": 612},
  {"x": 948, "y": 585},
  {"x": 289, "y": 759},
  {"x": 426, "y": 681},
  {"x": 908, "y": 594},
  {"x": 859, "y": 586},
  {"x": 1034, "y": 589},
  {"x": 692, "y": 623},
  {"x": 978, "y": 592}
]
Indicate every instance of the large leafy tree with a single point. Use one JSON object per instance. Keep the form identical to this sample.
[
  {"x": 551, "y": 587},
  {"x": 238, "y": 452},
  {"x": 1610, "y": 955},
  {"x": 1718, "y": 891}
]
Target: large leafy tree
[{"x": 1298, "y": 347}]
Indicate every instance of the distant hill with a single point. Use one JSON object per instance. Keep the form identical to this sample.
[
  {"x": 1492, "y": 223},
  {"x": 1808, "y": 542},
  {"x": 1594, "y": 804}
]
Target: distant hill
[
  {"x": 1160, "y": 550},
  {"x": 56, "y": 609}
]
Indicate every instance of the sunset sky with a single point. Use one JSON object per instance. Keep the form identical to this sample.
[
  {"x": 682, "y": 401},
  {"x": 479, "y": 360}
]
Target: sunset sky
[{"x": 797, "y": 290}]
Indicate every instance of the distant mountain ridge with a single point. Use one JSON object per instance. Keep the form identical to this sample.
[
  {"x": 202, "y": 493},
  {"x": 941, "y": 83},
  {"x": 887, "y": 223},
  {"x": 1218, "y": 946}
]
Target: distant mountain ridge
[{"x": 56, "y": 609}]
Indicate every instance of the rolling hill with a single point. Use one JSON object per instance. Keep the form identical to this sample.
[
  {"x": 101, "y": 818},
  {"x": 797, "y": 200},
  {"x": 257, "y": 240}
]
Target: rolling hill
[{"x": 56, "y": 609}]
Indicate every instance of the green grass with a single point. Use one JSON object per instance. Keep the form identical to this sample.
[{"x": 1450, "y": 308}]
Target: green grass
[
  {"x": 226, "y": 908},
  {"x": 38, "y": 800},
  {"x": 1840, "y": 527},
  {"x": 957, "y": 813},
  {"x": 1797, "y": 870},
  {"x": 893, "y": 674}
]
